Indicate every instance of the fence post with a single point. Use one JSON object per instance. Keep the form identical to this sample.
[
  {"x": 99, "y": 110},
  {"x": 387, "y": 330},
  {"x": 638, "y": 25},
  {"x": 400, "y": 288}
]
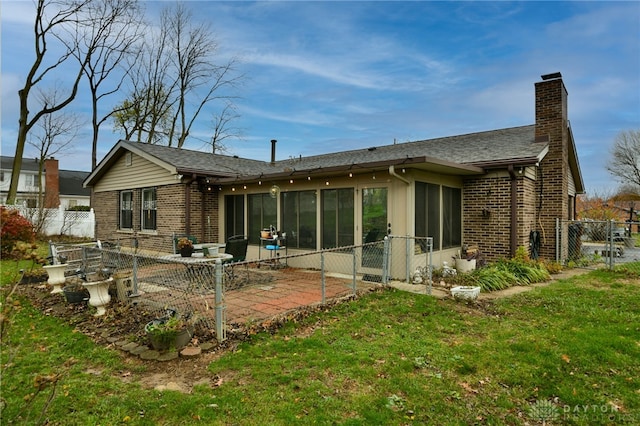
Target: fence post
[
  {"x": 611, "y": 246},
  {"x": 353, "y": 280},
  {"x": 558, "y": 245},
  {"x": 134, "y": 272},
  {"x": 322, "y": 282},
  {"x": 220, "y": 322},
  {"x": 385, "y": 261},
  {"x": 429, "y": 263},
  {"x": 407, "y": 248}
]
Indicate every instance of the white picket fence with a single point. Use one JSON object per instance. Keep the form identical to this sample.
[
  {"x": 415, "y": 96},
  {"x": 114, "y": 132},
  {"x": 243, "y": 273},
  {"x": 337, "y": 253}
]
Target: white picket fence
[{"x": 61, "y": 222}]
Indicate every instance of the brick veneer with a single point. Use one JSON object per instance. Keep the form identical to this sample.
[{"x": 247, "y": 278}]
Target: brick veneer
[
  {"x": 170, "y": 216},
  {"x": 492, "y": 192}
]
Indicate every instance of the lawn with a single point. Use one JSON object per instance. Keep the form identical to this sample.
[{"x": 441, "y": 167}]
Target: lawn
[{"x": 566, "y": 353}]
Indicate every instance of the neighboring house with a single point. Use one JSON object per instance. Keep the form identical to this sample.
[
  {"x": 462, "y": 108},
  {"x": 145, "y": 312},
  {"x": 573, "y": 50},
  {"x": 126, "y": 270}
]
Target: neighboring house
[
  {"x": 61, "y": 187},
  {"x": 490, "y": 189}
]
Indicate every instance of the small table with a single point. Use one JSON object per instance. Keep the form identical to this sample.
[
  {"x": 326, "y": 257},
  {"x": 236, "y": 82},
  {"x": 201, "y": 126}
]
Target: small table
[
  {"x": 195, "y": 263},
  {"x": 273, "y": 245}
]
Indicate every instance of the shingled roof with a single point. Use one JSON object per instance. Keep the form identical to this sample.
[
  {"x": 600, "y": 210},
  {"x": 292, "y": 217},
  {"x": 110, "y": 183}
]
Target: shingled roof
[{"x": 467, "y": 154}]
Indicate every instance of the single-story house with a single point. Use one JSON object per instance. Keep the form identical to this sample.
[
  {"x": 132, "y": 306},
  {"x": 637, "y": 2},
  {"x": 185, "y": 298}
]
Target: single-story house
[{"x": 492, "y": 189}]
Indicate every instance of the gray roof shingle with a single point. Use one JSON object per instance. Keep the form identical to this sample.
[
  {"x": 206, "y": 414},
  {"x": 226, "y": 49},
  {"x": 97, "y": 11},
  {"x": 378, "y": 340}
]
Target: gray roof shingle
[{"x": 475, "y": 148}]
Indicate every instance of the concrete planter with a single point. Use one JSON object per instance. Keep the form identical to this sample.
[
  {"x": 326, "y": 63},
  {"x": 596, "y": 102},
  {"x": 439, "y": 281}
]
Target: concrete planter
[
  {"x": 99, "y": 295},
  {"x": 465, "y": 292},
  {"x": 56, "y": 276},
  {"x": 464, "y": 265}
]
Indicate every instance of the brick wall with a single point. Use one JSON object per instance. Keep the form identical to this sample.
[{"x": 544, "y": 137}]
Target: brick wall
[
  {"x": 492, "y": 232},
  {"x": 170, "y": 216}
]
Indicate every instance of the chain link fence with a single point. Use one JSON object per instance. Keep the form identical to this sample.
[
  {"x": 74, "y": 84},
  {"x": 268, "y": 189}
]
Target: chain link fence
[
  {"x": 598, "y": 244},
  {"x": 221, "y": 296}
]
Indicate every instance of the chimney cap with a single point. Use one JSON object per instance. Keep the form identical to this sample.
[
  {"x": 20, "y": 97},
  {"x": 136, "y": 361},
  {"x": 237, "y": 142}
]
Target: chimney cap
[{"x": 552, "y": 76}]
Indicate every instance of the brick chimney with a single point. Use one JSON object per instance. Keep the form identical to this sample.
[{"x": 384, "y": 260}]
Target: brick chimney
[
  {"x": 552, "y": 127},
  {"x": 51, "y": 183}
]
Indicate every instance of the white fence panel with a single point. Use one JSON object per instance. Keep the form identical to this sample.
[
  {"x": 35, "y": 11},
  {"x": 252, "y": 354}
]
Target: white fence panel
[{"x": 62, "y": 222}]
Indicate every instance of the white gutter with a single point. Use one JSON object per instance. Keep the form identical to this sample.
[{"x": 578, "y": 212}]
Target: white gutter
[{"x": 392, "y": 172}]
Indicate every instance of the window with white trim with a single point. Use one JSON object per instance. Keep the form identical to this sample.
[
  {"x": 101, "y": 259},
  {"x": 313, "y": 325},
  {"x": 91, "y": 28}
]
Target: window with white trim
[
  {"x": 149, "y": 209},
  {"x": 126, "y": 210}
]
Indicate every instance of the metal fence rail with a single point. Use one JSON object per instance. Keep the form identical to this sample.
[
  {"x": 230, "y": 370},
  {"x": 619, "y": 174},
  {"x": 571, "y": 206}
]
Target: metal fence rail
[
  {"x": 225, "y": 296},
  {"x": 596, "y": 244}
]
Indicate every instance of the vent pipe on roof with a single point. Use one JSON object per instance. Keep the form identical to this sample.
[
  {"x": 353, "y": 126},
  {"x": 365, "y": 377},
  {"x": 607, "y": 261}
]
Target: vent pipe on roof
[{"x": 273, "y": 151}]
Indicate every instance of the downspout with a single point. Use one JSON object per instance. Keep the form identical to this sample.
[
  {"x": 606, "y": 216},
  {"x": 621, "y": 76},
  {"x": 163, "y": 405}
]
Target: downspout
[
  {"x": 513, "y": 237},
  {"x": 187, "y": 205},
  {"x": 392, "y": 172}
]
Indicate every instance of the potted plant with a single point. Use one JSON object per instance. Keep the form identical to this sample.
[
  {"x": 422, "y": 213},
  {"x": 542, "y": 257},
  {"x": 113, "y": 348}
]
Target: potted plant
[
  {"x": 173, "y": 331},
  {"x": 185, "y": 246}
]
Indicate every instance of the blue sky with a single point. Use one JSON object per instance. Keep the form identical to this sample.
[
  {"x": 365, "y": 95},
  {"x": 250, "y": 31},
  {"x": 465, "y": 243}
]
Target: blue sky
[{"x": 327, "y": 76}]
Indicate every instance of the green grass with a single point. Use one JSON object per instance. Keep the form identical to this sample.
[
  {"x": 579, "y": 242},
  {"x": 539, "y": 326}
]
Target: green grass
[{"x": 387, "y": 358}]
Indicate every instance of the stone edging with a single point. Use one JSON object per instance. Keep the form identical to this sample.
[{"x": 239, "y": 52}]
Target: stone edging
[{"x": 147, "y": 354}]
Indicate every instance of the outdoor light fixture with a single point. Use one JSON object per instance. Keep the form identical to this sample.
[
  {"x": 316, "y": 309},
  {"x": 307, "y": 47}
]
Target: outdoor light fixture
[
  {"x": 350, "y": 174},
  {"x": 327, "y": 183},
  {"x": 290, "y": 180}
]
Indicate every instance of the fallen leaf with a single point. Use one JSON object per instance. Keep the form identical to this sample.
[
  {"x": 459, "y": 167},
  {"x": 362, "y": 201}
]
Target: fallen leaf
[
  {"x": 468, "y": 388},
  {"x": 566, "y": 358}
]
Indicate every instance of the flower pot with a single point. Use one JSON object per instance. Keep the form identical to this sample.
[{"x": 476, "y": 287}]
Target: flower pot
[
  {"x": 56, "y": 276},
  {"x": 465, "y": 292},
  {"x": 163, "y": 340},
  {"x": 186, "y": 251},
  {"x": 99, "y": 295},
  {"x": 464, "y": 265}
]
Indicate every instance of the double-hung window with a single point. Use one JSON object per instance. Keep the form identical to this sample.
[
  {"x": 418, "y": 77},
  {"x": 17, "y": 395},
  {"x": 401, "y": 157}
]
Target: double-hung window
[
  {"x": 149, "y": 209},
  {"x": 126, "y": 210}
]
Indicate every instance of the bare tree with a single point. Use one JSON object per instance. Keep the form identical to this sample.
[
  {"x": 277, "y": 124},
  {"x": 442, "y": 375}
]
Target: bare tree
[
  {"x": 106, "y": 44},
  {"x": 625, "y": 161},
  {"x": 223, "y": 128},
  {"x": 54, "y": 21},
  {"x": 51, "y": 135},
  {"x": 200, "y": 80},
  {"x": 175, "y": 81},
  {"x": 145, "y": 114}
]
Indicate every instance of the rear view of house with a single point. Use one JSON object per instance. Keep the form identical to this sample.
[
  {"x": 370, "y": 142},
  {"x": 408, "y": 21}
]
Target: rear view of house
[{"x": 498, "y": 190}]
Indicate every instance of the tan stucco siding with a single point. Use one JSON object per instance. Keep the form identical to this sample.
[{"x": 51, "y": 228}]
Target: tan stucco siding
[{"x": 141, "y": 173}]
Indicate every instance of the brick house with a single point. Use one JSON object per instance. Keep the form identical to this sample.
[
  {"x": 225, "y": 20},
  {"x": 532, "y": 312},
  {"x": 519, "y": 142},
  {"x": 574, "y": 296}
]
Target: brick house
[{"x": 491, "y": 189}]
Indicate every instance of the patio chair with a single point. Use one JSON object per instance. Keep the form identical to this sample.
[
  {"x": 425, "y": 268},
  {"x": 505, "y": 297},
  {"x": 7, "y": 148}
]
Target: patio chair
[{"x": 237, "y": 247}]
